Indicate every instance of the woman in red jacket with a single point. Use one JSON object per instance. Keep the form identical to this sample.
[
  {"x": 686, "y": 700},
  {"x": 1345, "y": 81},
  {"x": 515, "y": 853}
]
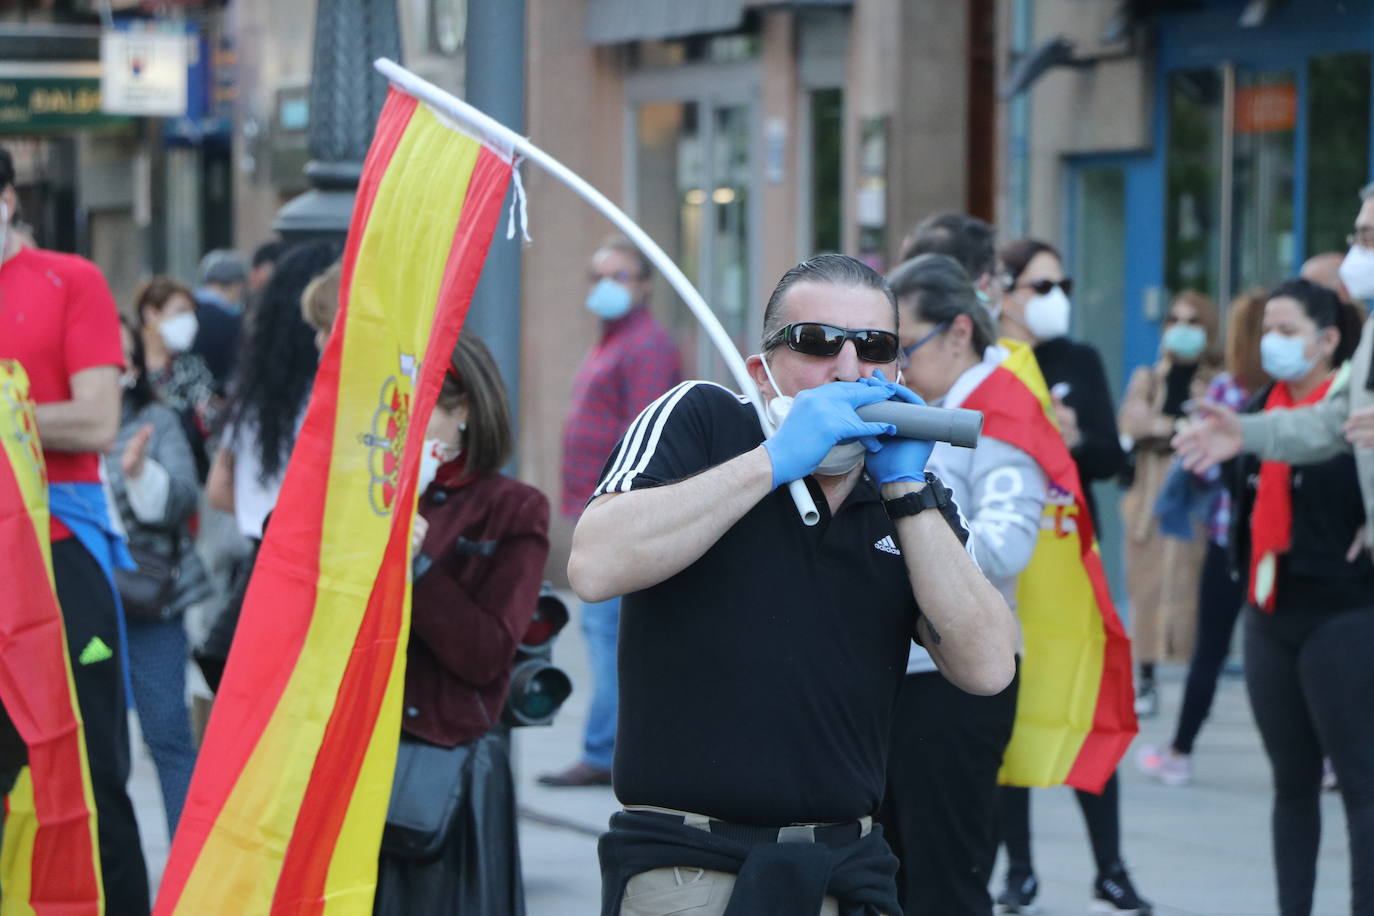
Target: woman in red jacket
[{"x": 481, "y": 541}]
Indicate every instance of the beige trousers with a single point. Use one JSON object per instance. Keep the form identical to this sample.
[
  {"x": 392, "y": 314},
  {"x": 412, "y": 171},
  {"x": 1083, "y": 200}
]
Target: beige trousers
[
  {"x": 695, "y": 891},
  {"x": 1162, "y": 574}
]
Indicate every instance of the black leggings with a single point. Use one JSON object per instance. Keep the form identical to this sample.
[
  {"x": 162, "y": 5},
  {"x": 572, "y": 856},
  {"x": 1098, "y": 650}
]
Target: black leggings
[
  {"x": 1311, "y": 685},
  {"x": 1219, "y": 601},
  {"x": 88, "y": 614},
  {"x": 1101, "y": 815}
]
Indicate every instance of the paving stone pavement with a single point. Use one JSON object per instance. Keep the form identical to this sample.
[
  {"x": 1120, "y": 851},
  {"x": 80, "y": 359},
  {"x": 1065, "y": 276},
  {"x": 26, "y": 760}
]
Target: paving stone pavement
[{"x": 1196, "y": 851}]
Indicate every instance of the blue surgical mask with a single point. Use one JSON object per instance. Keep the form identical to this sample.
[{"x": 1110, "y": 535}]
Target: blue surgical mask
[
  {"x": 1283, "y": 357},
  {"x": 608, "y": 299},
  {"x": 1185, "y": 341}
]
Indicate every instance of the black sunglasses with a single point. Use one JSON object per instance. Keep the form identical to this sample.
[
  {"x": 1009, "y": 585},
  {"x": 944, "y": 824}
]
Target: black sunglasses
[
  {"x": 816, "y": 339},
  {"x": 1043, "y": 287}
]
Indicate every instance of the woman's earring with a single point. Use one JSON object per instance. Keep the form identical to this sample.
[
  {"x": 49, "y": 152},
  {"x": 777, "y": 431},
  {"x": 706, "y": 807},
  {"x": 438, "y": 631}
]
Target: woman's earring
[{"x": 462, "y": 426}]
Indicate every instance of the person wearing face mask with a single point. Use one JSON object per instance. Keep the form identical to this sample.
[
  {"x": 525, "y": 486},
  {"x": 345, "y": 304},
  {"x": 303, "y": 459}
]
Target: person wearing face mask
[
  {"x": 1036, "y": 309},
  {"x": 1220, "y": 595},
  {"x": 940, "y": 805},
  {"x": 260, "y": 427},
  {"x": 484, "y": 542},
  {"x": 1297, "y": 539},
  {"x": 1162, "y": 573},
  {"x": 167, "y": 320},
  {"x": 760, "y": 658},
  {"x": 1342, "y": 421},
  {"x": 220, "y": 293},
  {"x": 155, "y": 487},
  {"x": 633, "y": 362}
]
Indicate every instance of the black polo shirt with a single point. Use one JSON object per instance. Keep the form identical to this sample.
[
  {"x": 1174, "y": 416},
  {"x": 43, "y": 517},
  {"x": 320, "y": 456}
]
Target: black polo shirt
[{"x": 756, "y": 685}]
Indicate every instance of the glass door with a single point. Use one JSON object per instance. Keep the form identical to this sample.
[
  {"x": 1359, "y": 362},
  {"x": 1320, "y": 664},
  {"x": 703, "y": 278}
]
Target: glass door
[
  {"x": 1262, "y": 168},
  {"x": 692, "y": 178}
]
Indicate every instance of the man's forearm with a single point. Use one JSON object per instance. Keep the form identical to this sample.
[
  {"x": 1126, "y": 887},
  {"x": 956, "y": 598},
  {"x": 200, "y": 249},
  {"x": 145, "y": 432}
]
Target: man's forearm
[
  {"x": 628, "y": 541},
  {"x": 77, "y": 426},
  {"x": 1303, "y": 435},
  {"x": 968, "y": 628}
]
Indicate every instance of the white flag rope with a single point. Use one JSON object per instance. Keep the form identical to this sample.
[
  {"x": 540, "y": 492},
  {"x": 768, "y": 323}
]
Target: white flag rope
[{"x": 512, "y": 145}]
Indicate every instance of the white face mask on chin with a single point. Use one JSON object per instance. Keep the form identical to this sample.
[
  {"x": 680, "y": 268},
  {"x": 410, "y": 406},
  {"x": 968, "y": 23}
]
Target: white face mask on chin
[{"x": 842, "y": 458}]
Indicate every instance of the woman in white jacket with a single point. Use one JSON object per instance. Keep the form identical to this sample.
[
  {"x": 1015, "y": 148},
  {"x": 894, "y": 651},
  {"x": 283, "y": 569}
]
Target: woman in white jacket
[{"x": 939, "y": 810}]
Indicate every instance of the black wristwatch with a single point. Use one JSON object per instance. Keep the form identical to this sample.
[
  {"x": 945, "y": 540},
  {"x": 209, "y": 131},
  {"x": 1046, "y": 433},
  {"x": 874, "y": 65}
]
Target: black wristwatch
[{"x": 934, "y": 495}]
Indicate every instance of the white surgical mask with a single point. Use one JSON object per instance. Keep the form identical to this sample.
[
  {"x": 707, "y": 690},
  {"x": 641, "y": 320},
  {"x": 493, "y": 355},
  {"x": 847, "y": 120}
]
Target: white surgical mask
[
  {"x": 1357, "y": 272},
  {"x": 842, "y": 458},
  {"x": 1283, "y": 357},
  {"x": 128, "y": 379},
  {"x": 179, "y": 331},
  {"x": 1047, "y": 316}
]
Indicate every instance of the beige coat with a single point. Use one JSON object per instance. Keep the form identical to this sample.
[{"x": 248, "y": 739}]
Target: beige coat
[{"x": 1162, "y": 574}]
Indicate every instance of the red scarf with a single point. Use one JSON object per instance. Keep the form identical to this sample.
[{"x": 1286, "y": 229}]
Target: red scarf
[{"x": 1271, "y": 519}]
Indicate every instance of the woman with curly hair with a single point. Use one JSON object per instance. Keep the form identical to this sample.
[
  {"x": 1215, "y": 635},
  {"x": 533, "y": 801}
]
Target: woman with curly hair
[{"x": 276, "y": 372}]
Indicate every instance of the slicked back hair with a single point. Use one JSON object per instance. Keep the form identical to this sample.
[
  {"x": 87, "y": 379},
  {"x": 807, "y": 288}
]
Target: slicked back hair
[{"x": 831, "y": 269}]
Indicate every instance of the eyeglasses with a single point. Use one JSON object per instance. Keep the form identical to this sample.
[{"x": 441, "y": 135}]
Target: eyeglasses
[
  {"x": 1043, "y": 287},
  {"x": 620, "y": 276},
  {"x": 935, "y": 332},
  {"x": 1362, "y": 236},
  {"x": 816, "y": 339}
]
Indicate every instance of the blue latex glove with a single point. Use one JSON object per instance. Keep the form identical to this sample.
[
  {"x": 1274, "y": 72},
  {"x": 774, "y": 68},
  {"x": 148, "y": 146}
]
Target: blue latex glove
[
  {"x": 897, "y": 458},
  {"x": 821, "y": 418}
]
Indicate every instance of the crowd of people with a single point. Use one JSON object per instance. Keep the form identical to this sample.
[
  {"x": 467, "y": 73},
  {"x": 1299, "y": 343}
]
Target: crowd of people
[{"x": 871, "y": 783}]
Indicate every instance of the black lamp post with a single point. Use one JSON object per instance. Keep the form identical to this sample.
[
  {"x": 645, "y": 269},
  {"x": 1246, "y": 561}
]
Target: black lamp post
[{"x": 346, "y": 95}]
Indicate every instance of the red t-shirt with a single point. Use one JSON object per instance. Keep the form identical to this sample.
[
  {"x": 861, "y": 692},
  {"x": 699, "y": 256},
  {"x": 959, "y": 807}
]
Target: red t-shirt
[{"x": 57, "y": 317}]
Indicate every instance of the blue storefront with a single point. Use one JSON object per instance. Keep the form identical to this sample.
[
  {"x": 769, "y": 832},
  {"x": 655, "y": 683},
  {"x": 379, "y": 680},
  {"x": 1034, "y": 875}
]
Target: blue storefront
[{"x": 1261, "y": 141}]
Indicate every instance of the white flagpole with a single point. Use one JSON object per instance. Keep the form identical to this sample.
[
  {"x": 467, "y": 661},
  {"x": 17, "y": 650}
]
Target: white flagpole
[{"x": 512, "y": 144}]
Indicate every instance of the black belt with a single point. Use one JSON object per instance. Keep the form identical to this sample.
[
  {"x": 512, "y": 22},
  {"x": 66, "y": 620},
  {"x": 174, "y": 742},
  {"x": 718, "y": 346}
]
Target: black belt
[{"x": 832, "y": 835}]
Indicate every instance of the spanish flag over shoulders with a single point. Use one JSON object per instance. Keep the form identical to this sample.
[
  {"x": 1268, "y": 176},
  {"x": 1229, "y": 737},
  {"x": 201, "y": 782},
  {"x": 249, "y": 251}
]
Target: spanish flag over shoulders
[
  {"x": 1075, "y": 713},
  {"x": 49, "y": 863},
  {"x": 287, "y": 804}
]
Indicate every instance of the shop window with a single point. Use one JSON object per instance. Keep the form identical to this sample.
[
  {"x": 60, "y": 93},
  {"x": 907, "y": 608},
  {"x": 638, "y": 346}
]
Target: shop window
[
  {"x": 1193, "y": 198},
  {"x": 1337, "y": 146}
]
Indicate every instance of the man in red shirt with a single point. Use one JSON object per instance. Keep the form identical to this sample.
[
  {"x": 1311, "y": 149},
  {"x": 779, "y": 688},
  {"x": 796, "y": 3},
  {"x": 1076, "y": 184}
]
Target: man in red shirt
[
  {"x": 634, "y": 362},
  {"x": 59, "y": 321}
]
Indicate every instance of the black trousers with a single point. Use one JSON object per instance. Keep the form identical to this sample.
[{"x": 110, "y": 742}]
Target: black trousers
[
  {"x": 1101, "y": 815},
  {"x": 939, "y": 812},
  {"x": 1219, "y": 602},
  {"x": 89, "y": 614},
  {"x": 1311, "y": 684}
]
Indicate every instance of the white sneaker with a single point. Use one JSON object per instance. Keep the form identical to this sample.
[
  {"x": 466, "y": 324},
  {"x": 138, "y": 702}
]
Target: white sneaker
[{"x": 1170, "y": 768}]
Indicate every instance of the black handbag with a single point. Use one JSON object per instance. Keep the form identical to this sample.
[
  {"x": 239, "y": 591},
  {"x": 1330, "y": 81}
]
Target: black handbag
[
  {"x": 426, "y": 796},
  {"x": 147, "y": 590}
]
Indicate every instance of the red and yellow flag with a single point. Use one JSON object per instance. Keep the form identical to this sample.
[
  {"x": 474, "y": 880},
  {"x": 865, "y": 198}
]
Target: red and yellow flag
[
  {"x": 50, "y": 861},
  {"x": 1075, "y": 713},
  {"x": 286, "y": 807}
]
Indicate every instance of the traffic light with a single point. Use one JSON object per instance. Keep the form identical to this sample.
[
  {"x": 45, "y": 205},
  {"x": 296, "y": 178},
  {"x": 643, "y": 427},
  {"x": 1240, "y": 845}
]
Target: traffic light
[{"x": 537, "y": 688}]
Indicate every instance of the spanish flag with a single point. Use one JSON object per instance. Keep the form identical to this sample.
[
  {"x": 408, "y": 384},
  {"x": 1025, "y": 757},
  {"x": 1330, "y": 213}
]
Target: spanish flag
[
  {"x": 50, "y": 861},
  {"x": 289, "y": 797},
  {"x": 1075, "y": 714}
]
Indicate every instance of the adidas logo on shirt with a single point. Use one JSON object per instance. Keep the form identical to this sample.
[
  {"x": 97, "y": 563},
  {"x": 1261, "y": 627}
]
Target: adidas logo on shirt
[{"x": 887, "y": 545}]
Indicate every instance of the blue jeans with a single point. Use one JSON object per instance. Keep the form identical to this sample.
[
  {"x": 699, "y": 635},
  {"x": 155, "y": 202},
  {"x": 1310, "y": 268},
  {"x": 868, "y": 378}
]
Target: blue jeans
[
  {"x": 157, "y": 662},
  {"x": 601, "y": 627}
]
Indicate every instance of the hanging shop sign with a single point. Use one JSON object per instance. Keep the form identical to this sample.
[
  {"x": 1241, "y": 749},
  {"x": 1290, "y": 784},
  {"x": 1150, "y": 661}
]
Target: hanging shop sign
[
  {"x": 143, "y": 69},
  {"x": 45, "y": 104}
]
